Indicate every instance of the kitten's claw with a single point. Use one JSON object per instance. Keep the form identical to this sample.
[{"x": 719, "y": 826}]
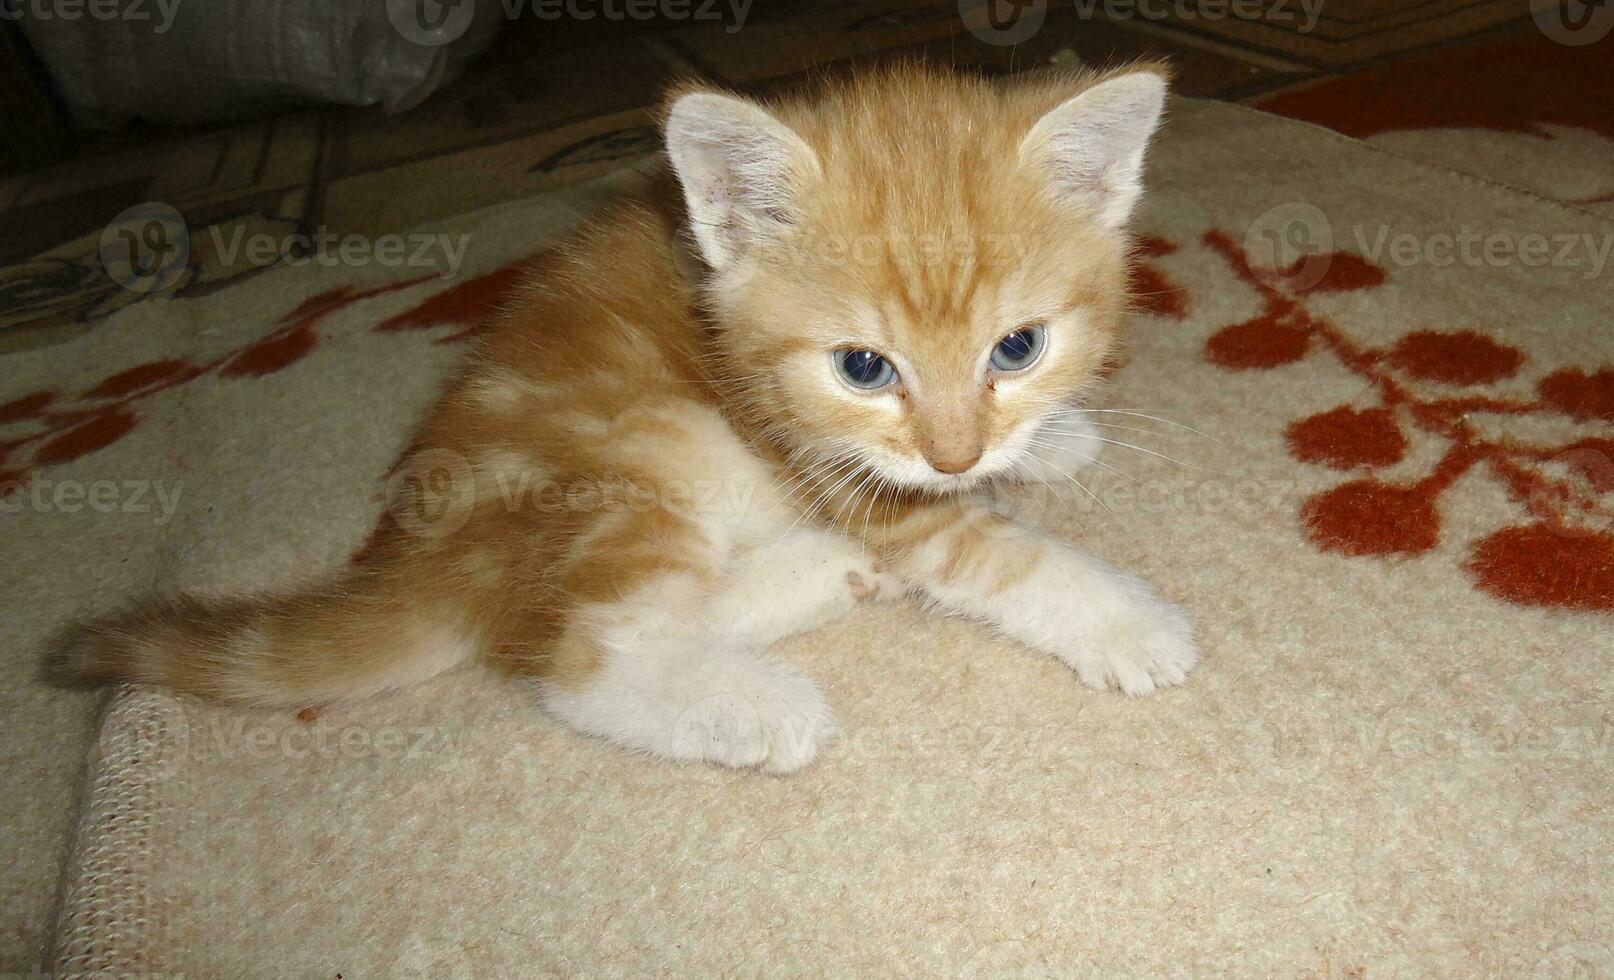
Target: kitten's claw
[{"x": 874, "y": 582}]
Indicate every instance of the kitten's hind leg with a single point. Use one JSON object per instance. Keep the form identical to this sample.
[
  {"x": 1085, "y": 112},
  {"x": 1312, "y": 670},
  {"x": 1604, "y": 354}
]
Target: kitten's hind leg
[
  {"x": 684, "y": 698},
  {"x": 672, "y": 689},
  {"x": 635, "y": 656}
]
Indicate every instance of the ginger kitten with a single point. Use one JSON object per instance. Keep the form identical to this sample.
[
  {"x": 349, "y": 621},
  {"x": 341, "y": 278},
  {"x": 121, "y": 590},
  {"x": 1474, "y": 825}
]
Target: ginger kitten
[{"x": 869, "y": 304}]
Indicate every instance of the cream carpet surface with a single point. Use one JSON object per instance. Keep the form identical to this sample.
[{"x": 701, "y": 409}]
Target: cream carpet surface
[{"x": 1383, "y": 486}]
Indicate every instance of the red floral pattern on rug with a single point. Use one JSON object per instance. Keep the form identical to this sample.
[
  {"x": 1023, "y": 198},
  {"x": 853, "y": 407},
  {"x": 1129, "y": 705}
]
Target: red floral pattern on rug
[
  {"x": 1563, "y": 558},
  {"x": 68, "y": 427},
  {"x": 1152, "y": 292}
]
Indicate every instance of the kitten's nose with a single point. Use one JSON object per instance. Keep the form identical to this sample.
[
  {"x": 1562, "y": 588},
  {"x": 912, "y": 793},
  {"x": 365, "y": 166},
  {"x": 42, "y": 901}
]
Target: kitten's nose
[
  {"x": 950, "y": 434},
  {"x": 956, "y": 462}
]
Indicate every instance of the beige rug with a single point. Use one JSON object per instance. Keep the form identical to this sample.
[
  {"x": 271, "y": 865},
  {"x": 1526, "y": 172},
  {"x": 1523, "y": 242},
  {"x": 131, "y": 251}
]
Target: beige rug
[{"x": 1392, "y": 523}]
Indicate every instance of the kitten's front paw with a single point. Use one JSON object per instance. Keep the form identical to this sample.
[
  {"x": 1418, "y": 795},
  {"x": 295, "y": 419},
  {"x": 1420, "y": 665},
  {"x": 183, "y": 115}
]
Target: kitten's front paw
[{"x": 1148, "y": 645}]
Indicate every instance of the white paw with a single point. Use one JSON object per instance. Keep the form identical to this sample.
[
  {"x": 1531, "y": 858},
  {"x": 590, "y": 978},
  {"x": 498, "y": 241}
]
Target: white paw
[
  {"x": 703, "y": 704},
  {"x": 774, "y": 718},
  {"x": 1146, "y": 645}
]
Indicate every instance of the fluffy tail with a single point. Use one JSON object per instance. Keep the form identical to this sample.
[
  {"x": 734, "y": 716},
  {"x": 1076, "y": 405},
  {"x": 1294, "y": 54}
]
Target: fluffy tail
[{"x": 296, "y": 652}]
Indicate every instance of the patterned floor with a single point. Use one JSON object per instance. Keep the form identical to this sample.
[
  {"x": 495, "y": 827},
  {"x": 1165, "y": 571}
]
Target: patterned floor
[
  {"x": 1441, "y": 438},
  {"x": 536, "y": 112}
]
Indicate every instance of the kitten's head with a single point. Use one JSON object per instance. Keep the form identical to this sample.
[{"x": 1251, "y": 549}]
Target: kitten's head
[{"x": 916, "y": 271}]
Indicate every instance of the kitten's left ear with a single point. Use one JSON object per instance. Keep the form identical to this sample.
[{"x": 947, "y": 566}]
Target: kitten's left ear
[
  {"x": 739, "y": 167},
  {"x": 1092, "y": 144}
]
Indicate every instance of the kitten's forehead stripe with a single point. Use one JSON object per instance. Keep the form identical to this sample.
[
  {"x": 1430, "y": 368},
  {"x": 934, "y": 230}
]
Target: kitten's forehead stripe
[{"x": 904, "y": 289}]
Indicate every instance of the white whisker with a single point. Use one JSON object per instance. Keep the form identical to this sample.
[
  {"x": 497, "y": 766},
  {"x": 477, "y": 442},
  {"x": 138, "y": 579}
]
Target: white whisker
[
  {"x": 1144, "y": 415},
  {"x": 1079, "y": 485},
  {"x": 1151, "y": 452}
]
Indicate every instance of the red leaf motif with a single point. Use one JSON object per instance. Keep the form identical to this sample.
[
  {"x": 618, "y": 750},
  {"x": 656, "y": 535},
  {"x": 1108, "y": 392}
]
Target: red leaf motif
[
  {"x": 26, "y": 407},
  {"x": 1153, "y": 245},
  {"x": 87, "y": 437},
  {"x": 470, "y": 302},
  {"x": 276, "y": 352},
  {"x": 1257, "y": 344},
  {"x": 136, "y": 378},
  {"x": 1541, "y": 565},
  {"x": 1366, "y": 517},
  {"x": 1579, "y": 395},
  {"x": 1344, "y": 438},
  {"x": 1345, "y": 271},
  {"x": 1154, "y": 294},
  {"x": 321, "y": 305},
  {"x": 1459, "y": 357}
]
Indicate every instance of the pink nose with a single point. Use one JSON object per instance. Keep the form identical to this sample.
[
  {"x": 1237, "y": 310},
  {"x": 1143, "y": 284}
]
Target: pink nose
[{"x": 957, "y": 463}]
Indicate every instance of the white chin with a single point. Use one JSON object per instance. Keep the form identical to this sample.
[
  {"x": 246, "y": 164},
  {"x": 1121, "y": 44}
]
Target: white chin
[{"x": 921, "y": 476}]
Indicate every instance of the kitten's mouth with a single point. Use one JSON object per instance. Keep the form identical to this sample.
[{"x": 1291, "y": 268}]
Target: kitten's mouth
[
  {"x": 947, "y": 484},
  {"x": 918, "y": 476},
  {"x": 872, "y": 472}
]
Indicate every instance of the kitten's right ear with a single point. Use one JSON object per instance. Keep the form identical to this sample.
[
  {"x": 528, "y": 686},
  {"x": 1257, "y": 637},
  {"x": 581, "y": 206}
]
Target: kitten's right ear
[
  {"x": 1092, "y": 144},
  {"x": 738, "y": 166}
]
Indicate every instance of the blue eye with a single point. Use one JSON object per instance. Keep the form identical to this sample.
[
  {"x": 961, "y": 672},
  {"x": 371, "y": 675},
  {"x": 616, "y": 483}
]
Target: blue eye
[
  {"x": 1020, "y": 350},
  {"x": 864, "y": 369}
]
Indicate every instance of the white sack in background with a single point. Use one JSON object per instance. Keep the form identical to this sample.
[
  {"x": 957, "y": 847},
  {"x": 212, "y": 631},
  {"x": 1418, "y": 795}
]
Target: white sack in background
[{"x": 187, "y": 61}]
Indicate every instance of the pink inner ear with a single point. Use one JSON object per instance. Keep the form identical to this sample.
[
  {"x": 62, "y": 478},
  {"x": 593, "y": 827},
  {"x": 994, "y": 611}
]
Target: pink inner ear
[
  {"x": 1094, "y": 143},
  {"x": 732, "y": 156}
]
